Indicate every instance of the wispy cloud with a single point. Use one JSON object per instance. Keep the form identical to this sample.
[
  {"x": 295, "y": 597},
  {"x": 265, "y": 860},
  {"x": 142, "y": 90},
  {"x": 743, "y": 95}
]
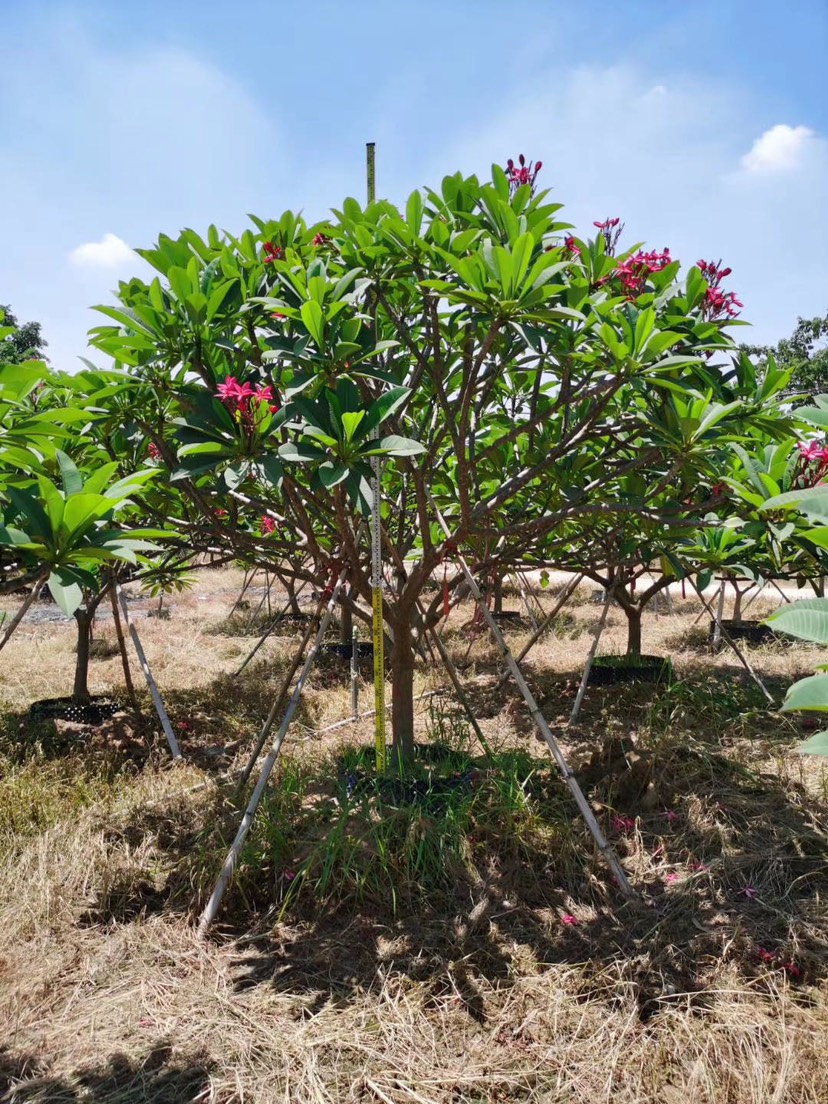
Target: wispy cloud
[
  {"x": 779, "y": 149},
  {"x": 110, "y": 252}
]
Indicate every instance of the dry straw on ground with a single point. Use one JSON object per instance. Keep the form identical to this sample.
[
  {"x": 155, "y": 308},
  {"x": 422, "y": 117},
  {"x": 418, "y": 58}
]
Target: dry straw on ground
[{"x": 533, "y": 983}]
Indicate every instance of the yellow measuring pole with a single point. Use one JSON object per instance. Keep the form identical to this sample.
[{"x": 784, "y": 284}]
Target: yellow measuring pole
[{"x": 376, "y": 553}]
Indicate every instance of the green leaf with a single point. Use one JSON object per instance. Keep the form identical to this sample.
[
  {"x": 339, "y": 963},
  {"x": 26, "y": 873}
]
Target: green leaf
[
  {"x": 66, "y": 590},
  {"x": 332, "y": 473},
  {"x": 301, "y": 453},
  {"x": 414, "y": 212},
  {"x": 396, "y": 446},
  {"x": 70, "y": 476},
  {"x": 350, "y": 423},
  {"x": 815, "y": 745},
  {"x": 807, "y": 620},
  {"x": 314, "y": 320},
  {"x": 810, "y": 694},
  {"x": 812, "y": 501},
  {"x": 386, "y": 405}
]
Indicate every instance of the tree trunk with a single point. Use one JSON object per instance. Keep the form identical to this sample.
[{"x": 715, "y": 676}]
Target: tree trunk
[
  {"x": 346, "y": 623},
  {"x": 633, "y": 630},
  {"x": 737, "y": 604},
  {"x": 402, "y": 690},
  {"x": 290, "y": 587},
  {"x": 498, "y": 593},
  {"x": 80, "y": 690}
]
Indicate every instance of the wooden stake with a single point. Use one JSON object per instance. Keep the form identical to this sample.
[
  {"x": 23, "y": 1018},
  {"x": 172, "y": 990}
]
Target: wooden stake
[
  {"x": 277, "y": 703},
  {"x": 153, "y": 689},
  {"x": 21, "y": 613},
  {"x": 122, "y": 648},
  {"x": 543, "y": 727},
  {"x": 579, "y": 697},
  {"x": 735, "y": 647},
  {"x": 212, "y": 907}
]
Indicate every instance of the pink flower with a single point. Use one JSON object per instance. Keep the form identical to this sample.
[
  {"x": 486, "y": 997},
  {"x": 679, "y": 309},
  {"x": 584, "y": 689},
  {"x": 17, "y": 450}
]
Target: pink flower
[
  {"x": 570, "y": 247},
  {"x": 522, "y": 173},
  {"x": 635, "y": 270},
  {"x": 153, "y": 451},
  {"x": 792, "y": 969},
  {"x": 750, "y": 892},
  {"x": 320, "y": 239},
  {"x": 232, "y": 393},
  {"x": 612, "y": 229},
  {"x": 569, "y": 921},
  {"x": 268, "y": 525},
  {"x": 289, "y": 875},
  {"x": 272, "y": 252},
  {"x": 717, "y": 303},
  {"x": 764, "y": 955},
  {"x": 672, "y": 877},
  {"x": 623, "y": 824},
  {"x": 671, "y": 816},
  {"x": 242, "y": 401}
]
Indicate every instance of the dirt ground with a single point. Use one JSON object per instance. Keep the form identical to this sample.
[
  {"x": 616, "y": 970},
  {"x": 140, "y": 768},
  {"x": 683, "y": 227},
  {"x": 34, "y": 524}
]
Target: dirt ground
[{"x": 532, "y": 980}]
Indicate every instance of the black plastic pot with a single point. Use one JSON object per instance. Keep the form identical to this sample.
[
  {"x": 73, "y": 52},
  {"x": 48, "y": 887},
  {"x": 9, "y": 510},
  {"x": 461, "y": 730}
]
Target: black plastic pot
[
  {"x": 748, "y": 632},
  {"x": 610, "y": 670},
  {"x": 94, "y": 712}
]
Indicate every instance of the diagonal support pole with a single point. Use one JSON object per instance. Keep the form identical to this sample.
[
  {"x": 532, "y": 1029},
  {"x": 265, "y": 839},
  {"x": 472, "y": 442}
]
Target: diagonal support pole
[
  {"x": 153, "y": 689},
  {"x": 739, "y": 654},
  {"x": 543, "y": 727},
  {"x": 212, "y": 906}
]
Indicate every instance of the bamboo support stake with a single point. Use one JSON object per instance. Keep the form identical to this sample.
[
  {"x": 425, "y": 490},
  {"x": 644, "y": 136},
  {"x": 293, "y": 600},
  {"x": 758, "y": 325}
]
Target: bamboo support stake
[
  {"x": 579, "y": 697},
  {"x": 543, "y": 727},
  {"x": 461, "y": 693},
  {"x": 277, "y": 704},
  {"x": 269, "y": 630},
  {"x": 736, "y": 648},
  {"x": 21, "y": 613},
  {"x": 717, "y": 617},
  {"x": 122, "y": 648},
  {"x": 153, "y": 689},
  {"x": 519, "y": 583},
  {"x": 567, "y": 592},
  {"x": 212, "y": 906}
]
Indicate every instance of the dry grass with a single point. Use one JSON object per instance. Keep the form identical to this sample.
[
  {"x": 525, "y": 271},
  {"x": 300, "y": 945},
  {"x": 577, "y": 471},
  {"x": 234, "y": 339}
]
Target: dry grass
[{"x": 704, "y": 992}]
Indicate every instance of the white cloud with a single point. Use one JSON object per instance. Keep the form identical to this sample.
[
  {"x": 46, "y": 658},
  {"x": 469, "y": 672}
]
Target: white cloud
[
  {"x": 110, "y": 252},
  {"x": 780, "y": 148}
]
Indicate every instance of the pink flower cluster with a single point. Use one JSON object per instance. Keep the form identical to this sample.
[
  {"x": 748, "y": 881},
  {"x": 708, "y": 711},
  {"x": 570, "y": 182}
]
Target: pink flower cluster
[
  {"x": 153, "y": 451},
  {"x": 570, "y": 247},
  {"x": 612, "y": 229},
  {"x": 522, "y": 173},
  {"x": 272, "y": 252},
  {"x": 268, "y": 525},
  {"x": 812, "y": 466},
  {"x": 239, "y": 398},
  {"x": 637, "y": 269},
  {"x": 717, "y": 302}
]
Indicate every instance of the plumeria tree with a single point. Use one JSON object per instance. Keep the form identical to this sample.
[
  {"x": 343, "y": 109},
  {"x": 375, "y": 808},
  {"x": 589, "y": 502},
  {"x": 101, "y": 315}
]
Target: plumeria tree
[{"x": 510, "y": 376}]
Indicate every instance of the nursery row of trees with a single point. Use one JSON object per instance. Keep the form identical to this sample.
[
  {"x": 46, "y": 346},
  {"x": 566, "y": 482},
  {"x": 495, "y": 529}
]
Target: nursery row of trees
[{"x": 536, "y": 399}]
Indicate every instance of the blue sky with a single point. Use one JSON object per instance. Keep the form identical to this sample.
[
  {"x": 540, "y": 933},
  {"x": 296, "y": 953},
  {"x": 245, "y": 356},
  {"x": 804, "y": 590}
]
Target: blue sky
[{"x": 703, "y": 125}]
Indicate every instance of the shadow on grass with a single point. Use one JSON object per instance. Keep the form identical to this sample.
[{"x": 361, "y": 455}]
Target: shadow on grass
[
  {"x": 159, "y": 1076},
  {"x": 335, "y": 894}
]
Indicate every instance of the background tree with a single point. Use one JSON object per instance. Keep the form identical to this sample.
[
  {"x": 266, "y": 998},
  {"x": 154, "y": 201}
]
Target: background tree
[
  {"x": 25, "y": 342},
  {"x": 804, "y": 354}
]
